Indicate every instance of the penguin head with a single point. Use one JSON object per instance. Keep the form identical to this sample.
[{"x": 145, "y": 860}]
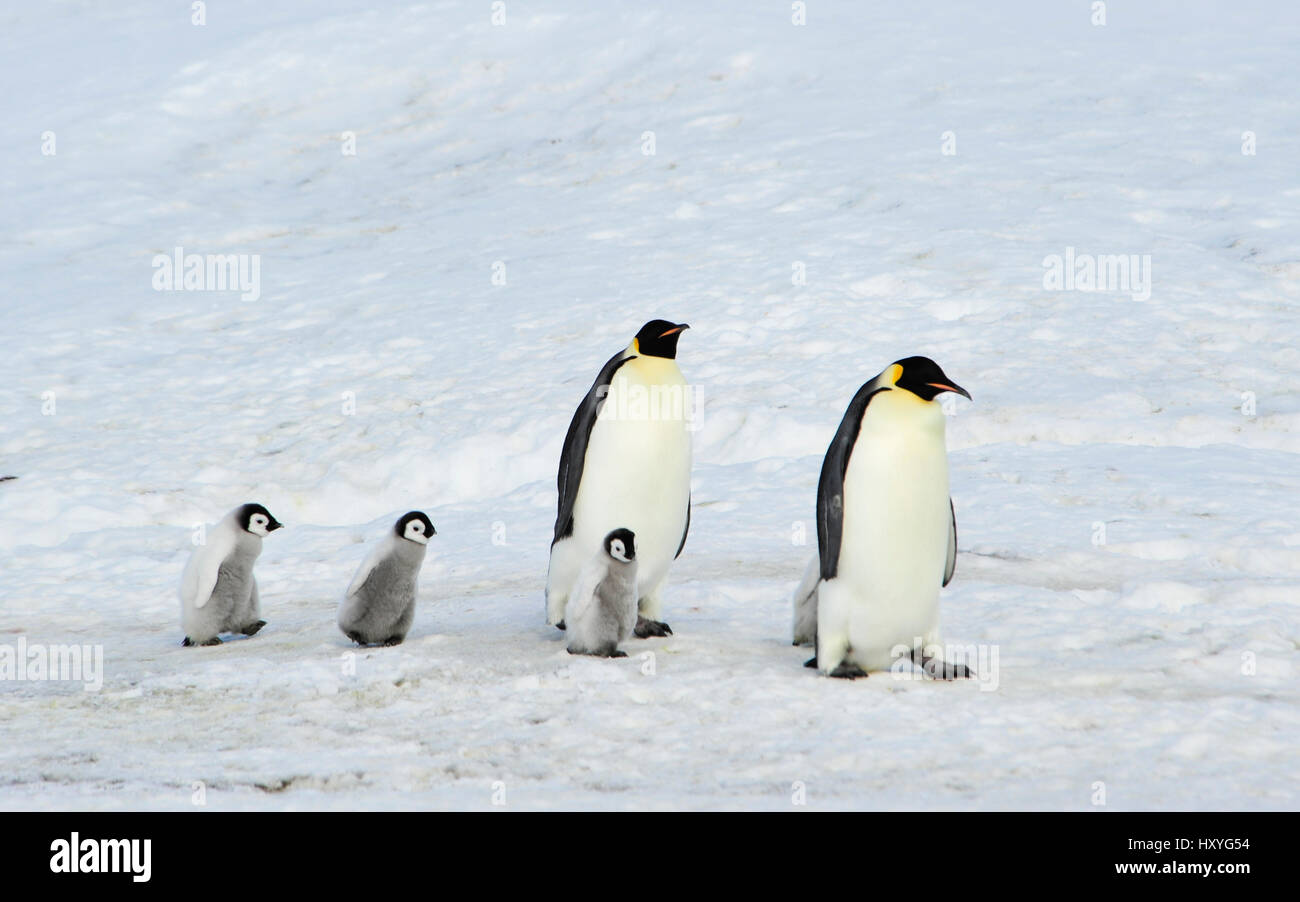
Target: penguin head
[
  {"x": 258, "y": 520},
  {"x": 415, "y": 527},
  {"x": 923, "y": 378},
  {"x": 658, "y": 338},
  {"x": 621, "y": 545}
]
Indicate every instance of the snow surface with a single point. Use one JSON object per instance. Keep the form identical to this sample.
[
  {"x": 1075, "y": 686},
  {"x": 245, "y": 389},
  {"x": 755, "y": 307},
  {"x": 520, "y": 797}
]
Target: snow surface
[{"x": 1126, "y": 663}]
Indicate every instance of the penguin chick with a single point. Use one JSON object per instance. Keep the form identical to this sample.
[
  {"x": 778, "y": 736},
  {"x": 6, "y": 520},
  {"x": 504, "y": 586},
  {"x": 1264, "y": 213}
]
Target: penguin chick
[
  {"x": 602, "y": 608},
  {"x": 218, "y": 591},
  {"x": 379, "y": 605}
]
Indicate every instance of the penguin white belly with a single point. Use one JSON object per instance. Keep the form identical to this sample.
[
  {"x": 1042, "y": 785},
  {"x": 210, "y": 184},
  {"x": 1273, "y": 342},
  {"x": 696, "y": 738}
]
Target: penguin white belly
[
  {"x": 895, "y": 533},
  {"x": 637, "y": 472}
]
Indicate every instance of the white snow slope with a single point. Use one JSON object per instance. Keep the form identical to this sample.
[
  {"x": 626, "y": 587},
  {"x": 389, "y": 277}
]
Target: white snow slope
[{"x": 1161, "y": 663}]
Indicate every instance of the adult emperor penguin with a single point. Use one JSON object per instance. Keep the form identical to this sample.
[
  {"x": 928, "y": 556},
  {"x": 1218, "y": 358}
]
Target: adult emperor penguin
[
  {"x": 218, "y": 591},
  {"x": 886, "y": 530},
  {"x": 379, "y": 605},
  {"x": 602, "y": 606},
  {"x": 627, "y": 463}
]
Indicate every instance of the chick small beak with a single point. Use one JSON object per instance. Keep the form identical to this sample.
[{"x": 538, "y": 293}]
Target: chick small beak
[
  {"x": 674, "y": 330},
  {"x": 273, "y": 526},
  {"x": 952, "y": 388}
]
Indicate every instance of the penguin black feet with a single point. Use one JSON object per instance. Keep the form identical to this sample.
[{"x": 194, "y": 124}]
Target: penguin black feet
[
  {"x": 560, "y": 625},
  {"x": 847, "y": 671},
  {"x": 645, "y": 628},
  {"x": 356, "y": 637},
  {"x": 811, "y": 662},
  {"x": 937, "y": 668},
  {"x": 252, "y": 628},
  {"x": 391, "y": 641},
  {"x": 187, "y": 642}
]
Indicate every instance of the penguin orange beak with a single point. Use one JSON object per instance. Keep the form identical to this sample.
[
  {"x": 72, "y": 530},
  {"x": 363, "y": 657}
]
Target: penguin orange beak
[
  {"x": 952, "y": 388},
  {"x": 674, "y": 330}
]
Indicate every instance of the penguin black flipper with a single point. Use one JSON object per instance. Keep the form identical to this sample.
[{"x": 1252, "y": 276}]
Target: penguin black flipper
[
  {"x": 574, "y": 455},
  {"x": 830, "y": 487},
  {"x": 950, "y": 564},
  {"x": 685, "y": 529}
]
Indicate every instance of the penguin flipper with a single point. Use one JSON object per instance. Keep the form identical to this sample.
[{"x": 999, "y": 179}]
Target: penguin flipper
[
  {"x": 805, "y": 605},
  {"x": 583, "y": 597},
  {"x": 830, "y": 487},
  {"x": 574, "y": 455},
  {"x": 203, "y": 567},
  {"x": 377, "y": 554},
  {"x": 685, "y": 529},
  {"x": 950, "y": 564}
]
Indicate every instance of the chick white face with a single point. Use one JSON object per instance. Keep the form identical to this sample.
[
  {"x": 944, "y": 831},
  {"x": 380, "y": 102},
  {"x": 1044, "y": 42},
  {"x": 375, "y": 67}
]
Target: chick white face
[
  {"x": 415, "y": 532},
  {"x": 619, "y": 550},
  {"x": 257, "y": 520}
]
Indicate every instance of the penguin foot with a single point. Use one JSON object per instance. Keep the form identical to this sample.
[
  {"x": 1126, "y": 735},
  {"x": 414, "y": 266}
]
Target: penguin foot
[
  {"x": 811, "y": 662},
  {"x": 617, "y": 653},
  {"x": 391, "y": 641},
  {"x": 645, "y": 628},
  {"x": 848, "y": 671},
  {"x": 187, "y": 642},
  {"x": 939, "y": 669},
  {"x": 357, "y": 638},
  {"x": 252, "y": 628},
  {"x": 560, "y": 625}
]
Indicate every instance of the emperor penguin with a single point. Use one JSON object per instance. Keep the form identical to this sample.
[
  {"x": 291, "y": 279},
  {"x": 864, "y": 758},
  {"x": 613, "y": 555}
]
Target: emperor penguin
[
  {"x": 602, "y": 605},
  {"x": 218, "y": 591},
  {"x": 886, "y": 530},
  {"x": 627, "y": 463},
  {"x": 379, "y": 605}
]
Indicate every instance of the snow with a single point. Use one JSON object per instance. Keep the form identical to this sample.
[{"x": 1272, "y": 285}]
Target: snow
[{"x": 1161, "y": 663}]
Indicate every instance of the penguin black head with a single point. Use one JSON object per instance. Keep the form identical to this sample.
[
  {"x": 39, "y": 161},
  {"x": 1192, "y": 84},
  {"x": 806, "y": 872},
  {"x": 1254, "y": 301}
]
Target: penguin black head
[
  {"x": 258, "y": 520},
  {"x": 658, "y": 338},
  {"x": 621, "y": 545},
  {"x": 415, "y": 527},
  {"x": 923, "y": 378}
]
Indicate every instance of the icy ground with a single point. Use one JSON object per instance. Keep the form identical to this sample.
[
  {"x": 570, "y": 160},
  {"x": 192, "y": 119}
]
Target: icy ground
[{"x": 1161, "y": 663}]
